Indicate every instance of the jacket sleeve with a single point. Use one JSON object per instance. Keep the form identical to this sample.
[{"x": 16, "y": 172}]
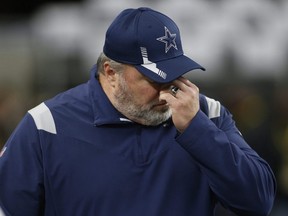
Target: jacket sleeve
[
  {"x": 21, "y": 172},
  {"x": 240, "y": 179}
]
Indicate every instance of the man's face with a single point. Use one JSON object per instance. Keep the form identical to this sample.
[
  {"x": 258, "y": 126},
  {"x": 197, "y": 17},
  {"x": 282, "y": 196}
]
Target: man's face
[{"x": 137, "y": 98}]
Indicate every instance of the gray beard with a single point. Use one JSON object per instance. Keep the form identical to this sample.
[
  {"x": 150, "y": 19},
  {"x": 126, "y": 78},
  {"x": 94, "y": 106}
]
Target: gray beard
[{"x": 125, "y": 104}]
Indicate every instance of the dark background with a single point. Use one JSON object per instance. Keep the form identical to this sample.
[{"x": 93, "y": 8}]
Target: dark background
[{"x": 40, "y": 56}]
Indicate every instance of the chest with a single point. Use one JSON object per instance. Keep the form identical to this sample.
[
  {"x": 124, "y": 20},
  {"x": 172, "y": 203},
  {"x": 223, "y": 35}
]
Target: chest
[{"x": 124, "y": 164}]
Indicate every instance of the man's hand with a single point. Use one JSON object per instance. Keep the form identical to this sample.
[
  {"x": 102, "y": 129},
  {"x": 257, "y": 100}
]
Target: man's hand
[{"x": 184, "y": 104}]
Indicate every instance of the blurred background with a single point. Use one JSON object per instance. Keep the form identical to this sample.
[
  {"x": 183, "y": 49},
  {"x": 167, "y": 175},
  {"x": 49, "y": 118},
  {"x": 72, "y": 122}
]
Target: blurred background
[{"x": 48, "y": 46}]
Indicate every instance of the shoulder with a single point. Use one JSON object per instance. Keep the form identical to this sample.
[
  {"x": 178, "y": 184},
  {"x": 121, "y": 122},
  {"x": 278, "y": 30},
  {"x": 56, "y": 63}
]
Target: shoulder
[
  {"x": 211, "y": 107},
  {"x": 43, "y": 118},
  {"x": 62, "y": 109},
  {"x": 217, "y": 113}
]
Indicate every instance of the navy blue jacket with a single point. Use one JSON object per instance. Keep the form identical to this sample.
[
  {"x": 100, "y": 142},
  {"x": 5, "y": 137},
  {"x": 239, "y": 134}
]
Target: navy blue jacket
[{"x": 77, "y": 155}]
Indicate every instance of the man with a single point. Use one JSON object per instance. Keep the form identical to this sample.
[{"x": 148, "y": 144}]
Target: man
[{"x": 136, "y": 139}]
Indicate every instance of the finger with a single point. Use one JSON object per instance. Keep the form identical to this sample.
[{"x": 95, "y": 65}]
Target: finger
[
  {"x": 167, "y": 96},
  {"x": 186, "y": 81},
  {"x": 185, "y": 85}
]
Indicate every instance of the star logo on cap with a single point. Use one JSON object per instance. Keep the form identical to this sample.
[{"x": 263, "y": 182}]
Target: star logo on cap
[{"x": 169, "y": 40}]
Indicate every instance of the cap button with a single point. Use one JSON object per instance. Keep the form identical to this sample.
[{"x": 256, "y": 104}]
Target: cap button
[{"x": 143, "y": 8}]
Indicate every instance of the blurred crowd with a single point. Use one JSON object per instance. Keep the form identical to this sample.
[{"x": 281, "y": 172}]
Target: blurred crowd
[{"x": 242, "y": 43}]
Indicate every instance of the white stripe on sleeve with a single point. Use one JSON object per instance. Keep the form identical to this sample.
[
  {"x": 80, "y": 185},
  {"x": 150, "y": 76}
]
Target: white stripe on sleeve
[
  {"x": 43, "y": 118},
  {"x": 214, "y": 108}
]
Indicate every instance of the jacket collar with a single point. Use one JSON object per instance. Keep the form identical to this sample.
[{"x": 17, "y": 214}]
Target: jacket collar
[{"x": 104, "y": 112}]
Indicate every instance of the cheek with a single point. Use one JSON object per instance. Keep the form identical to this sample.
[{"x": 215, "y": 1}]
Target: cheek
[
  {"x": 141, "y": 91},
  {"x": 149, "y": 94}
]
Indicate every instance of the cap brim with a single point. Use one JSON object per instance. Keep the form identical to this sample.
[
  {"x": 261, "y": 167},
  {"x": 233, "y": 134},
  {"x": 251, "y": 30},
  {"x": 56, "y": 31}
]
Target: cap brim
[{"x": 168, "y": 70}]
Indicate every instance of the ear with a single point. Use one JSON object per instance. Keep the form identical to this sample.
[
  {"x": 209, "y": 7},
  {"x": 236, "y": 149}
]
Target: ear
[{"x": 110, "y": 74}]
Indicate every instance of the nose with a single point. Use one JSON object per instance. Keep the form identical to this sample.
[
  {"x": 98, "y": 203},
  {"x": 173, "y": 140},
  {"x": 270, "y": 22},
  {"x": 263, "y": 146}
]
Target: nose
[
  {"x": 165, "y": 86},
  {"x": 161, "y": 87}
]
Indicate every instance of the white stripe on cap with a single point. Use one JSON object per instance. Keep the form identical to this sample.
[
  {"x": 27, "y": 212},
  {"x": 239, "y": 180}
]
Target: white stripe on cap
[
  {"x": 214, "y": 108},
  {"x": 43, "y": 118},
  {"x": 150, "y": 65}
]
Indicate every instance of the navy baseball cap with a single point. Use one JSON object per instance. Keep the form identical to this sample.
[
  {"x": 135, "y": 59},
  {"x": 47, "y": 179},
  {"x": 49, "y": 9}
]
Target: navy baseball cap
[{"x": 150, "y": 41}]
